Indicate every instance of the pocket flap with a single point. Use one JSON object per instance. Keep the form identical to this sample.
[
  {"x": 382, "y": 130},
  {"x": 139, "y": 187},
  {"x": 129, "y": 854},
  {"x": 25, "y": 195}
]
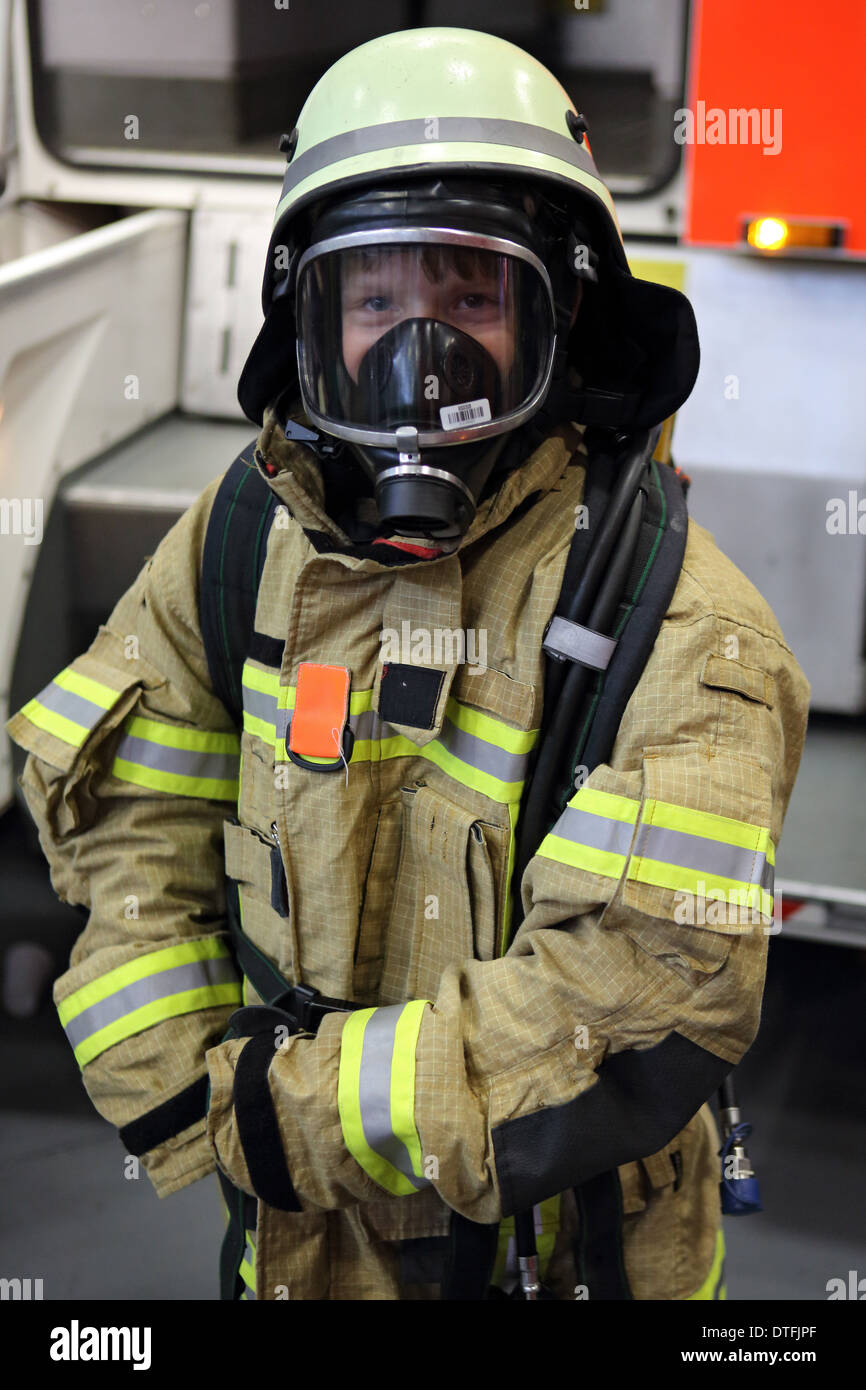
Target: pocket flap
[
  {"x": 724, "y": 673},
  {"x": 84, "y": 702},
  {"x": 631, "y": 1188},
  {"x": 702, "y": 853},
  {"x": 494, "y": 691},
  {"x": 659, "y": 1167},
  {"x": 248, "y": 856},
  {"x": 658, "y": 1170}
]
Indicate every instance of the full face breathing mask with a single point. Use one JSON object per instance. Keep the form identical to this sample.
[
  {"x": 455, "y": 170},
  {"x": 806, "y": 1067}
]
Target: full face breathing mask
[{"x": 423, "y": 347}]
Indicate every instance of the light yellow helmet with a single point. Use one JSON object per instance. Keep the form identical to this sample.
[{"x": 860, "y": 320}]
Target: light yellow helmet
[
  {"x": 456, "y": 114},
  {"x": 457, "y": 99}
]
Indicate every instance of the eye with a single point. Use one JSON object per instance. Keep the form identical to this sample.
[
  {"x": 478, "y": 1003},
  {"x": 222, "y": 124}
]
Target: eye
[
  {"x": 476, "y": 301},
  {"x": 377, "y": 302}
]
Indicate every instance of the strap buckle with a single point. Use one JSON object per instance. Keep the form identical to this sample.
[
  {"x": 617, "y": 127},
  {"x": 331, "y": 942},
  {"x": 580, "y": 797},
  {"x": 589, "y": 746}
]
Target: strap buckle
[
  {"x": 297, "y": 1004},
  {"x": 565, "y": 640},
  {"x": 348, "y": 743},
  {"x": 306, "y": 1007},
  {"x": 304, "y": 998}
]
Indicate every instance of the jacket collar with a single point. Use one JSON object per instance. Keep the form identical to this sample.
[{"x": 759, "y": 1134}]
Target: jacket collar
[{"x": 298, "y": 482}]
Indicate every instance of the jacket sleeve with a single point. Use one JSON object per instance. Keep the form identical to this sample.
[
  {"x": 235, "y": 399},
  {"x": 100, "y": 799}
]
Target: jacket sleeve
[
  {"x": 132, "y": 761},
  {"x": 632, "y": 988}
]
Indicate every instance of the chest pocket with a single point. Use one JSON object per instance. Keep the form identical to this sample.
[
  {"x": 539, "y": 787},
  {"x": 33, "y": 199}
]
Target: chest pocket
[
  {"x": 448, "y": 895},
  {"x": 254, "y": 865}
]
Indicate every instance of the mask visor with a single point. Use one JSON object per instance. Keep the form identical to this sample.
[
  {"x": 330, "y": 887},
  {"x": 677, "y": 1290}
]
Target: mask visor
[{"x": 444, "y": 331}]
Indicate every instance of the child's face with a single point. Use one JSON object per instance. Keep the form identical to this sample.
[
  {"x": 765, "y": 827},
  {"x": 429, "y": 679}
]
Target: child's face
[{"x": 383, "y": 288}]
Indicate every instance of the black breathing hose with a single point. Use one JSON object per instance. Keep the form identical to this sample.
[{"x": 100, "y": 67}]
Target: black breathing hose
[
  {"x": 607, "y": 575},
  {"x": 594, "y": 605}
]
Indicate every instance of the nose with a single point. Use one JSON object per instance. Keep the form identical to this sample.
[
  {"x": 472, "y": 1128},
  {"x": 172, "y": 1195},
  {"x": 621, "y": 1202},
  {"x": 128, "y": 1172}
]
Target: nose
[{"x": 425, "y": 303}]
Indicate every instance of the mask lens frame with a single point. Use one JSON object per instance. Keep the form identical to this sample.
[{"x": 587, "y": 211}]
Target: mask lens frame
[{"x": 319, "y": 318}]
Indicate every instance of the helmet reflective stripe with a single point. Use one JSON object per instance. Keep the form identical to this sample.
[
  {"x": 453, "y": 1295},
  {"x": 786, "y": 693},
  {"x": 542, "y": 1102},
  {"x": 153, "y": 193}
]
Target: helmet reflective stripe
[
  {"x": 504, "y": 144},
  {"x": 436, "y": 96}
]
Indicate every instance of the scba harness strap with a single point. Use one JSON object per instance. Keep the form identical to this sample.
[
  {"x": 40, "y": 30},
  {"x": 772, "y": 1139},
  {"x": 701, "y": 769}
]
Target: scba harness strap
[
  {"x": 233, "y": 561},
  {"x": 232, "y": 564}
]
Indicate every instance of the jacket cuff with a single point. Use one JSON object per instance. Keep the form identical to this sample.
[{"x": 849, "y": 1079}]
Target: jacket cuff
[
  {"x": 221, "y": 1132},
  {"x": 274, "y": 1121},
  {"x": 179, "y": 1162},
  {"x": 170, "y": 1140}
]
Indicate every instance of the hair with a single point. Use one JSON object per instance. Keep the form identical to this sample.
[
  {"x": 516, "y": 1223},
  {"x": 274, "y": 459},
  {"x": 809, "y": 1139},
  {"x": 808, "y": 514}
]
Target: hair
[{"x": 436, "y": 260}]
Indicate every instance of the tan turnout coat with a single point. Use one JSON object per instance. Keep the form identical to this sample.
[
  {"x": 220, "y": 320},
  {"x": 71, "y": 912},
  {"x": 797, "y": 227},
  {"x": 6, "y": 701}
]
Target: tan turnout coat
[{"x": 396, "y": 881}]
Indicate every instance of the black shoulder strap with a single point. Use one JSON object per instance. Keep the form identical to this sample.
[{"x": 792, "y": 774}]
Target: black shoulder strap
[
  {"x": 650, "y": 585},
  {"x": 649, "y": 588},
  {"x": 648, "y": 593},
  {"x": 232, "y": 564}
]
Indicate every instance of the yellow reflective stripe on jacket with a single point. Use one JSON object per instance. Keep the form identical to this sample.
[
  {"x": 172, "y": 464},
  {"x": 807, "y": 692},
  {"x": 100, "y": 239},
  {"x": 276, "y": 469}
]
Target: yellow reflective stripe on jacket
[
  {"x": 247, "y": 1267},
  {"x": 670, "y": 847},
  {"x": 701, "y": 853},
  {"x": 475, "y": 749},
  {"x": 484, "y": 726},
  {"x": 260, "y": 694},
  {"x": 594, "y": 832},
  {"x": 713, "y": 1286},
  {"x": 376, "y": 1095},
  {"x": 183, "y": 762},
  {"x": 70, "y": 706},
  {"x": 485, "y": 761},
  {"x": 478, "y": 751},
  {"x": 145, "y": 991}
]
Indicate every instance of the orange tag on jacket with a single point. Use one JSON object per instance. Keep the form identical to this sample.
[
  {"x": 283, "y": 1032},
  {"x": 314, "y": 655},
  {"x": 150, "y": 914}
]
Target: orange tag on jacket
[{"x": 321, "y": 710}]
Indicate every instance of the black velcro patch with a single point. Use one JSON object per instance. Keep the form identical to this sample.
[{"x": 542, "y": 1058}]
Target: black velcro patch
[
  {"x": 257, "y": 1125},
  {"x": 409, "y": 694}
]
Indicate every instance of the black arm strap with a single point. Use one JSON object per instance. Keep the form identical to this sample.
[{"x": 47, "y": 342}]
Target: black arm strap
[
  {"x": 653, "y": 581},
  {"x": 166, "y": 1120}
]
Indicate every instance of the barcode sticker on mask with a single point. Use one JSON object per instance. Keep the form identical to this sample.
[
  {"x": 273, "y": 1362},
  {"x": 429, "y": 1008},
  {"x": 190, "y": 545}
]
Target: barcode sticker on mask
[{"x": 455, "y": 417}]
